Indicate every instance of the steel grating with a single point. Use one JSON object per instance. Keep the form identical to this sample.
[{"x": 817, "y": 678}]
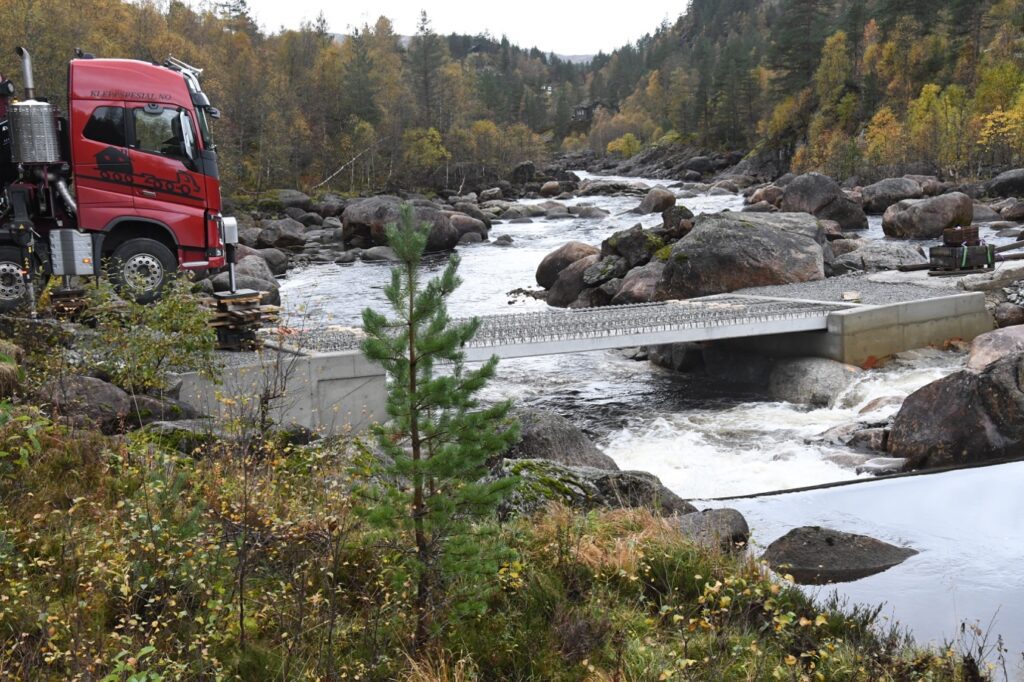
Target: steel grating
[{"x": 540, "y": 333}]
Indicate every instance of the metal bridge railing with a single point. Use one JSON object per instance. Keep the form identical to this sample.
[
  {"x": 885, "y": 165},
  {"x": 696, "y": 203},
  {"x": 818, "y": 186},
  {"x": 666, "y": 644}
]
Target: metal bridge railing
[{"x": 509, "y": 329}]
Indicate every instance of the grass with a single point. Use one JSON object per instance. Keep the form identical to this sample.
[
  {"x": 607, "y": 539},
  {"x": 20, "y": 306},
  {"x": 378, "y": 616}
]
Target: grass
[{"x": 120, "y": 559}]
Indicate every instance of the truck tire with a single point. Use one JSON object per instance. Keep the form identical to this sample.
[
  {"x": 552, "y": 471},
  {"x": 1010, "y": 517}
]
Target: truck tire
[
  {"x": 140, "y": 267},
  {"x": 12, "y": 286}
]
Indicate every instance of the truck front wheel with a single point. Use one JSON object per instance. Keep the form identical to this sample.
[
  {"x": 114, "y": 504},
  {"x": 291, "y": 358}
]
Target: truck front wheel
[
  {"x": 140, "y": 267},
  {"x": 12, "y": 284}
]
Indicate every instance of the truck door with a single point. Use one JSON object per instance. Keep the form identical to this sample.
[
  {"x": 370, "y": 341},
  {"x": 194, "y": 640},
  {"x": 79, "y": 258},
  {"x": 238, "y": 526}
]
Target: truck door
[
  {"x": 167, "y": 185},
  {"x": 102, "y": 167}
]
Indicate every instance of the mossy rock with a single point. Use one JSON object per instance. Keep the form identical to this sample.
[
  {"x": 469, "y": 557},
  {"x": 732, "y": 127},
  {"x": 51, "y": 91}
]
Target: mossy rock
[{"x": 542, "y": 482}]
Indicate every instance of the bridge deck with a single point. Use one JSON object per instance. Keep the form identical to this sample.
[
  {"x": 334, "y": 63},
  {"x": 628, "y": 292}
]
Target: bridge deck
[{"x": 573, "y": 331}]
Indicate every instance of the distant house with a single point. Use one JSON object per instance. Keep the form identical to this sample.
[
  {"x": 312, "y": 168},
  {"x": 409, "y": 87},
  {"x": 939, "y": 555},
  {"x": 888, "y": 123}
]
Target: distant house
[{"x": 584, "y": 112}]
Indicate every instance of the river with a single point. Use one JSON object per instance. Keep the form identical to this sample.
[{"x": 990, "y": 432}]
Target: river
[{"x": 707, "y": 440}]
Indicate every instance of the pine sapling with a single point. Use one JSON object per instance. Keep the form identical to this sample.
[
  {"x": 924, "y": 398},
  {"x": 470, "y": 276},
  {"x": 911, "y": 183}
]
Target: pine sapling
[{"x": 438, "y": 437}]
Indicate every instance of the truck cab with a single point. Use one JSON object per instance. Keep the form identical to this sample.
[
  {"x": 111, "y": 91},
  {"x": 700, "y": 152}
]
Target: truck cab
[{"x": 136, "y": 147}]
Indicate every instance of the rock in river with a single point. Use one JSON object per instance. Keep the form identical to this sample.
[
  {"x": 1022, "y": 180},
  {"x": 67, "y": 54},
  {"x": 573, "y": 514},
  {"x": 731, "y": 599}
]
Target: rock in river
[
  {"x": 561, "y": 258},
  {"x": 365, "y": 221},
  {"x": 570, "y": 284},
  {"x": 964, "y": 418},
  {"x": 927, "y": 218},
  {"x": 885, "y": 193},
  {"x": 820, "y": 196},
  {"x": 810, "y": 381},
  {"x": 721, "y": 528},
  {"x": 549, "y": 436},
  {"x": 658, "y": 200},
  {"x": 993, "y": 345},
  {"x": 817, "y": 556},
  {"x": 729, "y": 251}
]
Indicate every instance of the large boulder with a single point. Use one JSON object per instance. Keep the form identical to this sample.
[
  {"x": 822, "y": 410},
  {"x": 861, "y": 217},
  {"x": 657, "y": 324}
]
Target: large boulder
[
  {"x": 820, "y": 196},
  {"x": 365, "y": 221},
  {"x": 679, "y": 357},
  {"x": 1008, "y": 315},
  {"x": 276, "y": 259},
  {"x": 293, "y": 198},
  {"x": 561, "y": 258},
  {"x": 640, "y": 284},
  {"x": 993, "y": 345},
  {"x": 810, "y": 381},
  {"x": 636, "y": 245},
  {"x": 570, "y": 283},
  {"x": 542, "y": 482},
  {"x": 465, "y": 224},
  {"x": 985, "y": 214},
  {"x": 701, "y": 164},
  {"x": 605, "y": 270},
  {"x": 876, "y": 256},
  {"x": 1008, "y": 184},
  {"x": 769, "y": 194},
  {"x": 473, "y": 211},
  {"x": 729, "y": 251},
  {"x": 885, "y": 193},
  {"x": 818, "y": 556},
  {"x": 724, "y": 529},
  {"x": 549, "y": 436},
  {"x": 254, "y": 266},
  {"x": 330, "y": 205},
  {"x": 282, "y": 234},
  {"x": 927, "y": 218},
  {"x": 551, "y": 188},
  {"x": 964, "y": 418},
  {"x": 603, "y": 186},
  {"x": 658, "y": 200},
  {"x": 88, "y": 402},
  {"x": 1013, "y": 212},
  {"x": 930, "y": 184},
  {"x": 523, "y": 172},
  {"x": 587, "y": 211}
]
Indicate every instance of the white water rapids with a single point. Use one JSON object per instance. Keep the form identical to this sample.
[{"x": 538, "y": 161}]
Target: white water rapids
[{"x": 707, "y": 440}]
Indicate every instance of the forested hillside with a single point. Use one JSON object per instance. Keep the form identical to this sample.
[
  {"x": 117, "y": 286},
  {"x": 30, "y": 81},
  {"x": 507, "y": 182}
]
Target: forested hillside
[
  {"x": 848, "y": 87},
  {"x": 843, "y": 86},
  {"x": 298, "y": 105}
]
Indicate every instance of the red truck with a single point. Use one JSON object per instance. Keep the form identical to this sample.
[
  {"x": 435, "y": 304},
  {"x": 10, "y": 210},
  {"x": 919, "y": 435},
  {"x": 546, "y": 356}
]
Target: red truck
[{"x": 125, "y": 185}]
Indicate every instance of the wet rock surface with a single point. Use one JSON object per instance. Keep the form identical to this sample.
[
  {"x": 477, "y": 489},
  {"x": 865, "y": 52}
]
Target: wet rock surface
[
  {"x": 724, "y": 528},
  {"x": 551, "y": 437},
  {"x": 730, "y": 251},
  {"x": 965, "y": 418},
  {"x": 814, "y": 555}
]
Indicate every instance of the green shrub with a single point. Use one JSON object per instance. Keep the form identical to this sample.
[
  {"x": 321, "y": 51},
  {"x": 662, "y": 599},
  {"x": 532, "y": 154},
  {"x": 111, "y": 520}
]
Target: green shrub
[{"x": 138, "y": 345}]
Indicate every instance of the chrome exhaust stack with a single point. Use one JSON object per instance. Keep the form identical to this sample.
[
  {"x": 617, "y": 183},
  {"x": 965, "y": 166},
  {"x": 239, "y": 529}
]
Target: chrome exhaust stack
[{"x": 26, "y": 65}]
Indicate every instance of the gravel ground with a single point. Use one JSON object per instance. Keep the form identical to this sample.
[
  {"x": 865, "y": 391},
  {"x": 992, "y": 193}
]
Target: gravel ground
[{"x": 832, "y": 289}]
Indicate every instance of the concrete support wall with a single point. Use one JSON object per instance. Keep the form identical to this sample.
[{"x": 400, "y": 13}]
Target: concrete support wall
[
  {"x": 856, "y": 334},
  {"x": 330, "y": 393}
]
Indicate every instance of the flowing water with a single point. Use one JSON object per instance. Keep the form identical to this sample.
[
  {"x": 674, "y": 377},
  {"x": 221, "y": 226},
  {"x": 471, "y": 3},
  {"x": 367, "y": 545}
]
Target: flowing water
[{"x": 707, "y": 440}]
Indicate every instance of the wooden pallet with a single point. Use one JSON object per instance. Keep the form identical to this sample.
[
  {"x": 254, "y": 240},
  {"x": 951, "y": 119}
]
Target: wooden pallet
[{"x": 237, "y": 316}]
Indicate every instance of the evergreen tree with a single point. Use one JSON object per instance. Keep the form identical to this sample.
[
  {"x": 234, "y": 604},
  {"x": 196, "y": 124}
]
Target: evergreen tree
[
  {"x": 439, "y": 438},
  {"x": 359, "y": 87},
  {"x": 428, "y": 53},
  {"x": 798, "y": 35}
]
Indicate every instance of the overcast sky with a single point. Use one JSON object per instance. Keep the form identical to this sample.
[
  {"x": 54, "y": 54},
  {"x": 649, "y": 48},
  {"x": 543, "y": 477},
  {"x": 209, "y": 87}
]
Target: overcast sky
[{"x": 553, "y": 26}]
